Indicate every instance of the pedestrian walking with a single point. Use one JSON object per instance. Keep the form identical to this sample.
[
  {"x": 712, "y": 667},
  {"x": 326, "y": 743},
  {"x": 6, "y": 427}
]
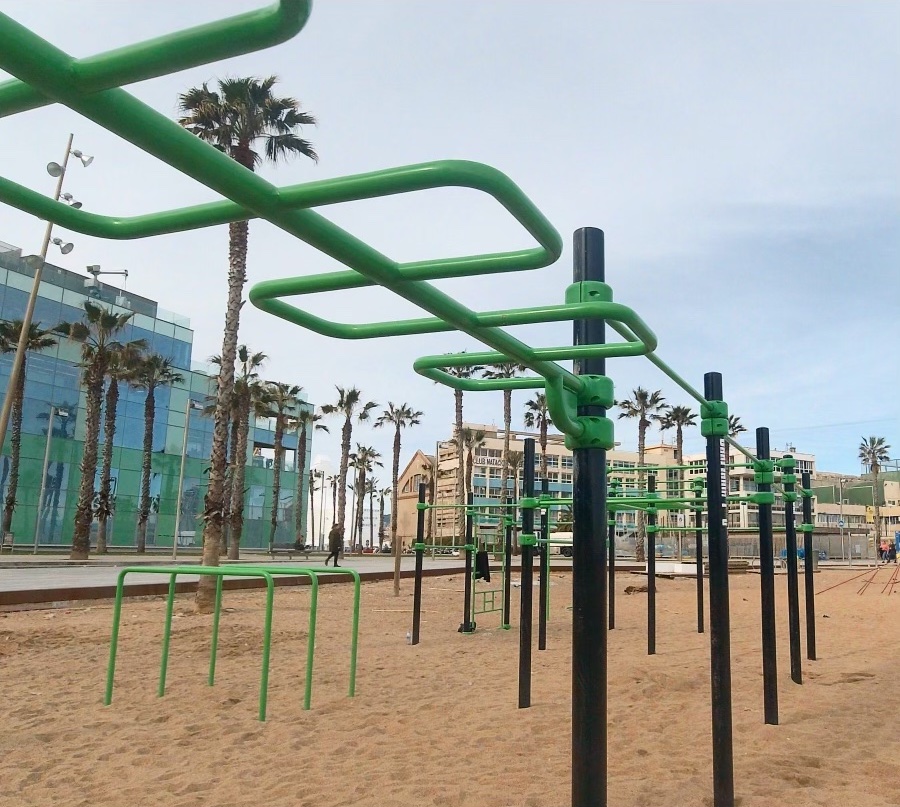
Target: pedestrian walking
[{"x": 335, "y": 544}]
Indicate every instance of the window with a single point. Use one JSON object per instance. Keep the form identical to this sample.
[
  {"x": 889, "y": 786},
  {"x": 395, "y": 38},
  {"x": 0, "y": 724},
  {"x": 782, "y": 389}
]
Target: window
[{"x": 567, "y": 462}]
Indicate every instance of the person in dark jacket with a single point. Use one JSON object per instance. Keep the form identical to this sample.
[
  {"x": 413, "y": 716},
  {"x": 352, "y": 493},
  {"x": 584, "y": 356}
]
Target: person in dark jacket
[{"x": 335, "y": 544}]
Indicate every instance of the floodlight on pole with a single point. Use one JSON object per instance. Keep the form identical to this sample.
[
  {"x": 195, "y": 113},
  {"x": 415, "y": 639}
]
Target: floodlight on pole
[
  {"x": 85, "y": 159},
  {"x": 71, "y": 200},
  {"x": 64, "y": 246},
  {"x": 58, "y": 171}
]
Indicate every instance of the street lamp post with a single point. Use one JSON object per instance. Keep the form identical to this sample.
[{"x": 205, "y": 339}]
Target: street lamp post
[
  {"x": 37, "y": 521},
  {"x": 322, "y": 511},
  {"x": 58, "y": 171},
  {"x": 187, "y": 422}
]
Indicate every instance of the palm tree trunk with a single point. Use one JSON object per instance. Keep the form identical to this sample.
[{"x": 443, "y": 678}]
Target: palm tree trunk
[
  {"x": 395, "y": 475},
  {"x": 236, "y": 511},
  {"x": 234, "y": 427},
  {"x": 372, "y": 519},
  {"x": 346, "y": 433},
  {"x": 640, "y": 541},
  {"x": 214, "y": 505},
  {"x": 312, "y": 504},
  {"x": 109, "y": 433},
  {"x": 15, "y": 451},
  {"x": 460, "y": 477},
  {"x": 146, "y": 465},
  {"x": 543, "y": 446},
  {"x": 84, "y": 514},
  {"x": 360, "y": 503},
  {"x": 380, "y": 520},
  {"x": 276, "y": 477},
  {"x": 301, "y": 473}
]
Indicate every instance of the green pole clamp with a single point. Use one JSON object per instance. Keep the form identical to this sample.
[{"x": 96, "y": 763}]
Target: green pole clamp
[
  {"x": 714, "y": 419},
  {"x": 422, "y": 505},
  {"x": 763, "y": 472},
  {"x": 805, "y": 528},
  {"x": 611, "y": 522},
  {"x": 789, "y": 479},
  {"x": 471, "y": 511},
  {"x": 470, "y": 547},
  {"x": 787, "y": 463},
  {"x": 789, "y": 496},
  {"x": 806, "y": 493},
  {"x": 527, "y": 539},
  {"x": 507, "y": 521},
  {"x": 653, "y": 528},
  {"x": 528, "y": 503},
  {"x": 762, "y": 497},
  {"x": 419, "y": 546}
]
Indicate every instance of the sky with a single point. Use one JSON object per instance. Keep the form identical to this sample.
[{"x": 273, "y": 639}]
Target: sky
[{"x": 740, "y": 157}]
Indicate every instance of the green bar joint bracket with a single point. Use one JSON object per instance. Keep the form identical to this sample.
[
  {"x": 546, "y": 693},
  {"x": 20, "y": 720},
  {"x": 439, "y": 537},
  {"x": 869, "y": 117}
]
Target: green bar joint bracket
[
  {"x": 419, "y": 547},
  {"x": 653, "y": 528},
  {"x": 789, "y": 479},
  {"x": 764, "y": 472},
  {"x": 422, "y": 505},
  {"x": 763, "y": 497},
  {"x": 529, "y": 503},
  {"x": 470, "y": 547},
  {"x": 714, "y": 419},
  {"x": 789, "y": 496},
  {"x": 806, "y": 493},
  {"x": 527, "y": 539},
  {"x": 805, "y": 528}
]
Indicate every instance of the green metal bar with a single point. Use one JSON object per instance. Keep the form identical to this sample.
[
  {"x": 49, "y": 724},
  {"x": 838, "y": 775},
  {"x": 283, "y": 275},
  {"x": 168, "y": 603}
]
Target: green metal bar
[
  {"x": 170, "y": 53},
  {"x": 311, "y": 638},
  {"x": 267, "y": 645},
  {"x": 214, "y": 641},
  {"x": 167, "y": 636},
  {"x": 114, "y": 640}
]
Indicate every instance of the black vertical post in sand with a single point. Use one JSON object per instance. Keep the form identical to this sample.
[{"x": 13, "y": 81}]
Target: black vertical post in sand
[
  {"x": 527, "y": 541},
  {"x": 764, "y": 477},
  {"x": 589, "y": 633},
  {"x": 468, "y": 625},
  {"x": 419, "y": 546},
  {"x": 788, "y": 479},
  {"x": 651, "y": 567},
  {"x": 698, "y": 523},
  {"x": 807, "y": 528},
  {"x": 611, "y": 553},
  {"x": 544, "y": 574},
  {"x": 507, "y": 565},
  {"x": 715, "y": 413}
]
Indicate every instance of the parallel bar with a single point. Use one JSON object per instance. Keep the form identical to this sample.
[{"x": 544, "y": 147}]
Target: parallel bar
[
  {"x": 719, "y": 616},
  {"x": 698, "y": 537},
  {"x": 526, "y": 590},
  {"x": 589, "y": 633},
  {"x": 507, "y": 573},
  {"x": 651, "y": 573},
  {"x": 793, "y": 585},
  {"x": 214, "y": 640},
  {"x": 805, "y": 481},
  {"x": 417, "y": 586},
  {"x": 767, "y": 588},
  {"x": 544, "y": 588},
  {"x": 167, "y": 637},
  {"x": 467, "y": 625}
]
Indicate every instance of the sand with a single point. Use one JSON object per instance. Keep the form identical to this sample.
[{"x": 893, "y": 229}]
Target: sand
[{"x": 437, "y": 724}]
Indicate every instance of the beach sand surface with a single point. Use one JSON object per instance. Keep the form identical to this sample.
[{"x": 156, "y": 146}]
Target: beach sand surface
[{"x": 437, "y": 723}]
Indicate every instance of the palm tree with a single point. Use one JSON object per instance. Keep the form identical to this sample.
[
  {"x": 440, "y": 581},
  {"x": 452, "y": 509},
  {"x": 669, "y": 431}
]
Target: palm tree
[
  {"x": 235, "y": 119},
  {"x": 496, "y": 371},
  {"x": 472, "y": 439},
  {"x": 249, "y": 396},
  {"x": 873, "y": 451},
  {"x": 364, "y": 460},
  {"x": 332, "y": 481},
  {"x": 537, "y": 416},
  {"x": 381, "y": 496},
  {"x": 122, "y": 363},
  {"x": 349, "y": 403},
  {"x": 150, "y": 372},
  {"x": 400, "y": 417},
  {"x": 38, "y": 339},
  {"x": 460, "y": 372},
  {"x": 305, "y": 420},
  {"x": 646, "y": 407},
  {"x": 678, "y": 417},
  {"x": 283, "y": 402},
  {"x": 97, "y": 334}
]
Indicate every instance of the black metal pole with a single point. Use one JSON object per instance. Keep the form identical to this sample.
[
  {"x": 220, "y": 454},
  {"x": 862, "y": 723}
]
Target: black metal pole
[
  {"x": 765, "y": 497},
  {"x": 468, "y": 625},
  {"x": 544, "y": 574},
  {"x": 651, "y": 568},
  {"x": 420, "y": 545},
  {"x": 611, "y": 554},
  {"x": 527, "y": 541},
  {"x": 790, "y": 534},
  {"x": 807, "y": 528},
  {"x": 719, "y": 616},
  {"x": 698, "y": 523},
  {"x": 507, "y": 568},
  {"x": 589, "y": 659}
]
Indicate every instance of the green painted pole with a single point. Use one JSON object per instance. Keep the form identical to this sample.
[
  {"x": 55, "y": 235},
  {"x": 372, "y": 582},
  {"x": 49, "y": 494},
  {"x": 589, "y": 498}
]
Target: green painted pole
[
  {"x": 311, "y": 638},
  {"x": 114, "y": 639},
  {"x": 167, "y": 636},
  {"x": 214, "y": 640},
  {"x": 267, "y": 646}
]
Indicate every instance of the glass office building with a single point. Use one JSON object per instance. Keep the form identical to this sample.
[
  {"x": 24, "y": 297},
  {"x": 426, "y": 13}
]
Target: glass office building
[{"x": 52, "y": 379}]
